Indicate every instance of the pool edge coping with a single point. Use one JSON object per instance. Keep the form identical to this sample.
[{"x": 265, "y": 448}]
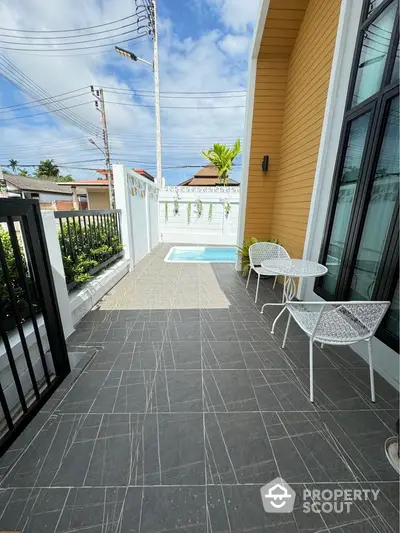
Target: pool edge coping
[{"x": 168, "y": 260}]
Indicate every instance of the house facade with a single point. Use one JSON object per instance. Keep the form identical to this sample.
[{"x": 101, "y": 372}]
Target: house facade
[
  {"x": 323, "y": 105},
  {"x": 51, "y": 195}
]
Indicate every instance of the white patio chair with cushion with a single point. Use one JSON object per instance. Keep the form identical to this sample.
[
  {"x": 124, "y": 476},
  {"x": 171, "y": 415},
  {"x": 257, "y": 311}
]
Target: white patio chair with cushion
[
  {"x": 260, "y": 251},
  {"x": 337, "y": 323}
]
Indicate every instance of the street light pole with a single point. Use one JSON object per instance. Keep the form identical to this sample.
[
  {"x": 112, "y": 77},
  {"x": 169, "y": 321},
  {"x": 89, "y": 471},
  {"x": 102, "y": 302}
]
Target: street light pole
[
  {"x": 133, "y": 57},
  {"x": 157, "y": 95},
  {"x": 99, "y": 95}
]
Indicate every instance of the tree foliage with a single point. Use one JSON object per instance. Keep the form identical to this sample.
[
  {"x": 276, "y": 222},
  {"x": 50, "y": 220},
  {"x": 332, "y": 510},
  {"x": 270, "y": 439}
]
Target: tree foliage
[
  {"x": 222, "y": 157},
  {"x": 13, "y": 164},
  {"x": 48, "y": 170}
]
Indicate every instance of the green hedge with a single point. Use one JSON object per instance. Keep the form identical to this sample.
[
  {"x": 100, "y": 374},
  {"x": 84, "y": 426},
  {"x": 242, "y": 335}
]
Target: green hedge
[
  {"x": 84, "y": 248},
  {"x": 6, "y": 309}
]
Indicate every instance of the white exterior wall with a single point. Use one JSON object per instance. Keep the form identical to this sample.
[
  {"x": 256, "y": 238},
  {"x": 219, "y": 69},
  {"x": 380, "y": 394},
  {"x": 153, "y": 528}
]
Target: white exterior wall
[
  {"x": 221, "y": 229},
  {"x": 386, "y": 360},
  {"x": 137, "y": 197}
]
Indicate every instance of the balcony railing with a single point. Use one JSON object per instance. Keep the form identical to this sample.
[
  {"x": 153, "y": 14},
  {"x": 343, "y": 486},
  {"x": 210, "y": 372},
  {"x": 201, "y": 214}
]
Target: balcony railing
[{"x": 89, "y": 241}]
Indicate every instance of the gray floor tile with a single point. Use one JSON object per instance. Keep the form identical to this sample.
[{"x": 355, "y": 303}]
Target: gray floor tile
[
  {"x": 238, "y": 449},
  {"x": 228, "y": 390},
  {"x": 184, "y": 412}
]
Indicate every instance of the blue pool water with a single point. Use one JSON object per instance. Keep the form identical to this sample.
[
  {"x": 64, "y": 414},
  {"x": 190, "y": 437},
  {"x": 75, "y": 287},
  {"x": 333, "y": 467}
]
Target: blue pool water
[{"x": 202, "y": 254}]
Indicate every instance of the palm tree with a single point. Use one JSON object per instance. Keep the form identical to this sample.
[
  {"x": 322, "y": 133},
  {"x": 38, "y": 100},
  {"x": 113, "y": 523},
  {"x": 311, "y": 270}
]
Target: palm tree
[
  {"x": 13, "y": 163},
  {"x": 221, "y": 156}
]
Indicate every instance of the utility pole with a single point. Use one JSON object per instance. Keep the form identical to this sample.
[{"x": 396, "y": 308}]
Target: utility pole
[
  {"x": 100, "y": 106},
  {"x": 157, "y": 92}
]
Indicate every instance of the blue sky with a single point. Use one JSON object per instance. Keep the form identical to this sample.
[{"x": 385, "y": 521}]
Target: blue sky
[{"x": 204, "y": 46}]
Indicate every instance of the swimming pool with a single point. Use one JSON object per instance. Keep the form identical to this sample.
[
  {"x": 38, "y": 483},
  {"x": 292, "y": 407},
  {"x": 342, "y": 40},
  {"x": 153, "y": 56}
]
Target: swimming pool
[{"x": 201, "y": 254}]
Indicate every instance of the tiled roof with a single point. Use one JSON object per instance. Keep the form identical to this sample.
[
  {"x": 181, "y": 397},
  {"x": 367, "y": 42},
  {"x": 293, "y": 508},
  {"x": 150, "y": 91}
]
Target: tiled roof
[
  {"x": 24, "y": 183},
  {"x": 207, "y": 182},
  {"x": 208, "y": 170}
]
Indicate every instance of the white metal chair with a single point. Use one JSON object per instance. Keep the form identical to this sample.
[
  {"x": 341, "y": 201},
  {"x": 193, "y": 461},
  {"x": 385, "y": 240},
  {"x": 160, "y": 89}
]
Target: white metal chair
[
  {"x": 260, "y": 251},
  {"x": 337, "y": 323}
]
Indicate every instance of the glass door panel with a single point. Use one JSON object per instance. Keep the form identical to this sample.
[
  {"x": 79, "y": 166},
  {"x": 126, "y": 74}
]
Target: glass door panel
[
  {"x": 374, "y": 51},
  {"x": 396, "y": 66},
  {"x": 382, "y": 203},
  {"x": 348, "y": 183},
  {"x": 391, "y": 321}
]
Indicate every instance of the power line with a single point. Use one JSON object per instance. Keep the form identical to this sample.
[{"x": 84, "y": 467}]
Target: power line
[
  {"x": 18, "y": 107},
  {"x": 25, "y": 84},
  {"x": 41, "y": 113},
  {"x": 70, "y": 29},
  {"x": 179, "y": 96},
  {"x": 177, "y": 92},
  {"x": 30, "y": 38},
  {"x": 179, "y": 107},
  {"x": 71, "y": 49},
  {"x": 42, "y": 100},
  {"x": 73, "y": 42},
  {"x": 105, "y": 50}
]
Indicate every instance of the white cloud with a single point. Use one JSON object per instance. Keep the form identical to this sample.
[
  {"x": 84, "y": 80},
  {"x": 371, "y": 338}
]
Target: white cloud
[
  {"x": 237, "y": 15},
  {"x": 235, "y": 45},
  {"x": 185, "y": 65}
]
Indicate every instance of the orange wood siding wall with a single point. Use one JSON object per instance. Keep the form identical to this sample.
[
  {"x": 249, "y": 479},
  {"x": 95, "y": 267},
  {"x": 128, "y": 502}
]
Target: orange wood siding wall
[
  {"x": 269, "y": 105},
  {"x": 293, "y": 95}
]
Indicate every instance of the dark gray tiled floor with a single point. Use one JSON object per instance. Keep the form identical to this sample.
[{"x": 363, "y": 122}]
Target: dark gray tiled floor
[{"x": 183, "y": 414}]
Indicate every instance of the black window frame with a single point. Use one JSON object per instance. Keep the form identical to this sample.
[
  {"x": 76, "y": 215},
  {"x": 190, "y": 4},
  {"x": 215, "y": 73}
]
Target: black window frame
[{"x": 378, "y": 105}]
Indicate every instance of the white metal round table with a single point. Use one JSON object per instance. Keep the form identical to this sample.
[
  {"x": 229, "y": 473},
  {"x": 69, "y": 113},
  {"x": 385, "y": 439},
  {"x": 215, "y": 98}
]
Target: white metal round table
[{"x": 290, "y": 269}]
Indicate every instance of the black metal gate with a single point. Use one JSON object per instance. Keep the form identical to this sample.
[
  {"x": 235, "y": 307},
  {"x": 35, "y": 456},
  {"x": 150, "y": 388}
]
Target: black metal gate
[{"x": 33, "y": 353}]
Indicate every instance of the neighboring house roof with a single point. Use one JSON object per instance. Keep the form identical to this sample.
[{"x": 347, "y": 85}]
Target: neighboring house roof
[
  {"x": 23, "y": 183},
  {"x": 207, "y": 177},
  {"x": 140, "y": 171},
  {"x": 101, "y": 183},
  {"x": 145, "y": 174},
  {"x": 209, "y": 171}
]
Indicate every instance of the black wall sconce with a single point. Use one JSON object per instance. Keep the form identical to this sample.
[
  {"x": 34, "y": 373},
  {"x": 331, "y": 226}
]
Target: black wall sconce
[{"x": 265, "y": 162}]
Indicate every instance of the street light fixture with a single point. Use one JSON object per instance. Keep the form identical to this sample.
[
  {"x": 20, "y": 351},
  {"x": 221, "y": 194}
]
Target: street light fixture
[
  {"x": 131, "y": 55},
  {"x": 98, "y": 147}
]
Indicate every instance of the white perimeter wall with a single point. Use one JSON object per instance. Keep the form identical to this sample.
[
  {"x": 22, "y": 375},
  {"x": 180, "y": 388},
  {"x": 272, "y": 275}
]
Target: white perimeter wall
[
  {"x": 221, "y": 229},
  {"x": 137, "y": 197}
]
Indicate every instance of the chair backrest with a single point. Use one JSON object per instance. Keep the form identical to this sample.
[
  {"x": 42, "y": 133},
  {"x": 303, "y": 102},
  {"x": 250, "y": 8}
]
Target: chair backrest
[
  {"x": 362, "y": 317},
  {"x": 260, "y": 251}
]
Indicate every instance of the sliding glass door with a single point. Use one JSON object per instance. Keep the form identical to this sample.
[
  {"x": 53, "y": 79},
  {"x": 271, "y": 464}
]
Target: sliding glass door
[{"x": 360, "y": 245}]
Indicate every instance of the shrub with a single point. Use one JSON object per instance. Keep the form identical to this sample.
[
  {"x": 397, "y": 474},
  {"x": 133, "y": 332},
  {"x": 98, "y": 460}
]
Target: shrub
[
  {"x": 84, "y": 248},
  {"x": 244, "y": 253},
  {"x": 20, "y": 297}
]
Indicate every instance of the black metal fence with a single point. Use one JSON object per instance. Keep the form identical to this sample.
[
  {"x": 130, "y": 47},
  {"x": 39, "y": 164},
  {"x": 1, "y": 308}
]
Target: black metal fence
[
  {"x": 89, "y": 241},
  {"x": 34, "y": 350}
]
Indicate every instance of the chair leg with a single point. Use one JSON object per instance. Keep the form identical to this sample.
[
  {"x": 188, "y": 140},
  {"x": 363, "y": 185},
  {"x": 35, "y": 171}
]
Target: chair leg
[
  {"x": 371, "y": 371},
  {"x": 311, "y": 372},
  {"x": 286, "y": 330},
  {"x": 258, "y": 284},
  {"x": 284, "y": 290},
  {"x": 248, "y": 278},
  {"x": 276, "y": 320},
  {"x": 273, "y": 286}
]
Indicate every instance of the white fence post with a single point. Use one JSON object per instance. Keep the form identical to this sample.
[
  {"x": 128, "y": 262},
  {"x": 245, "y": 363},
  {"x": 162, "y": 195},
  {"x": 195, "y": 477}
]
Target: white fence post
[
  {"x": 135, "y": 196},
  {"x": 57, "y": 268},
  {"x": 122, "y": 202}
]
